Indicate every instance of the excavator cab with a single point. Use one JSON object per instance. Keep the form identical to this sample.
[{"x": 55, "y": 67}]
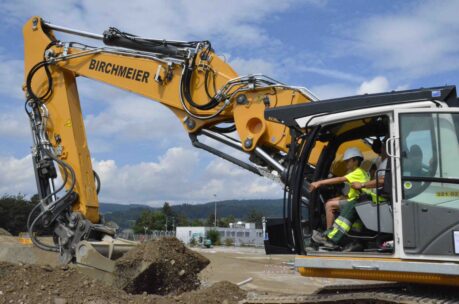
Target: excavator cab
[
  {"x": 374, "y": 224},
  {"x": 420, "y": 211}
]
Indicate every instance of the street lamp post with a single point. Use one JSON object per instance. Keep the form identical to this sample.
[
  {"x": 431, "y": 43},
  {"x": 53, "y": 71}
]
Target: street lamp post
[{"x": 215, "y": 205}]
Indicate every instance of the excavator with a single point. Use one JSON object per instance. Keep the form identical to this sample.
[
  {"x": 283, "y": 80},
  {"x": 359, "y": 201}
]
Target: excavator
[{"x": 288, "y": 134}]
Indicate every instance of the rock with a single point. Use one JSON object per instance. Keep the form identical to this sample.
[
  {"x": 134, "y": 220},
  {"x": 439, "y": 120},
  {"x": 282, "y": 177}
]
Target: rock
[
  {"x": 47, "y": 268},
  {"x": 60, "y": 301},
  {"x": 4, "y": 232},
  {"x": 181, "y": 272}
]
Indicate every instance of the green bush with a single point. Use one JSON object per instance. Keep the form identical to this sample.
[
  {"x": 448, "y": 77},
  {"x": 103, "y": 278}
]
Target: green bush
[
  {"x": 193, "y": 242},
  {"x": 229, "y": 242},
  {"x": 214, "y": 236}
]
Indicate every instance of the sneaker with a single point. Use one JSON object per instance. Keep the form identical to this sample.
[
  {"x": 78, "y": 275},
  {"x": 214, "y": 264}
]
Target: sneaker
[
  {"x": 318, "y": 237},
  {"x": 321, "y": 239}
]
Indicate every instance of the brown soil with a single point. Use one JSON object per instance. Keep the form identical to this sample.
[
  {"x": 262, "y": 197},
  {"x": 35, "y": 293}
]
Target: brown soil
[
  {"x": 162, "y": 267},
  {"x": 4, "y": 232},
  {"x": 45, "y": 284}
]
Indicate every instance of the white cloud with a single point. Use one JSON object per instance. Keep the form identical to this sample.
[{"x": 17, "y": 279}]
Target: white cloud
[
  {"x": 16, "y": 175},
  {"x": 252, "y": 66},
  {"x": 177, "y": 176},
  {"x": 15, "y": 124},
  {"x": 376, "y": 85},
  {"x": 131, "y": 118},
  {"x": 229, "y": 181},
  {"x": 11, "y": 75},
  {"x": 340, "y": 75},
  {"x": 333, "y": 90},
  {"x": 416, "y": 41}
]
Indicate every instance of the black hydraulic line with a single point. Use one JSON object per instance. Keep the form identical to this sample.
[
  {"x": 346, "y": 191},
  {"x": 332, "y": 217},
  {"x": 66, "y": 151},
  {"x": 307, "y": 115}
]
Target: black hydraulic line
[
  {"x": 34, "y": 238},
  {"x": 97, "y": 178},
  {"x": 186, "y": 85},
  {"x": 32, "y": 72},
  {"x": 30, "y": 215},
  {"x": 228, "y": 129},
  {"x": 65, "y": 166},
  {"x": 114, "y": 37}
]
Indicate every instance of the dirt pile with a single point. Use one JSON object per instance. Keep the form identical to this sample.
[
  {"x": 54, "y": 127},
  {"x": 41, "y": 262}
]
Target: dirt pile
[
  {"x": 162, "y": 267},
  {"x": 221, "y": 292},
  {"x": 4, "y": 232},
  {"x": 45, "y": 284}
]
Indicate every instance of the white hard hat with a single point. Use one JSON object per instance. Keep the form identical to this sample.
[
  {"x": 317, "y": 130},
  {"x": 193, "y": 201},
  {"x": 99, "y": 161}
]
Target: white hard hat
[{"x": 352, "y": 152}]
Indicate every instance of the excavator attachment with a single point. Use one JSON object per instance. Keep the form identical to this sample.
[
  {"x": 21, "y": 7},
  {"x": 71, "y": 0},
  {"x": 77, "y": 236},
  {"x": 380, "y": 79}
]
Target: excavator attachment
[{"x": 97, "y": 259}]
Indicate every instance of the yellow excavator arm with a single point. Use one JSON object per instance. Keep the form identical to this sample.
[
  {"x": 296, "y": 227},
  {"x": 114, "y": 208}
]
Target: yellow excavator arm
[{"x": 202, "y": 90}]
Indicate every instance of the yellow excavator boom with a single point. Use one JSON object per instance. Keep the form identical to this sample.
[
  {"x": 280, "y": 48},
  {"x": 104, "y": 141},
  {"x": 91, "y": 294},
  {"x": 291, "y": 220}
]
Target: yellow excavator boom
[{"x": 189, "y": 78}]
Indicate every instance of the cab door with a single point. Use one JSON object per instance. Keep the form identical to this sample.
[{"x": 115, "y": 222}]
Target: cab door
[{"x": 425, "y": 151}]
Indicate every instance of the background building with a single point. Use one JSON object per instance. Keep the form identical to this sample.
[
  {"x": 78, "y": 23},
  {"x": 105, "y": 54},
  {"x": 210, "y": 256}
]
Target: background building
[{"x": 240, "y": 233}]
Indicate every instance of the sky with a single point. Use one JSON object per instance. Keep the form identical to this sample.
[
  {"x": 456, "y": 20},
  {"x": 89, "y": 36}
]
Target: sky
[{"x": 333, "y": 47}]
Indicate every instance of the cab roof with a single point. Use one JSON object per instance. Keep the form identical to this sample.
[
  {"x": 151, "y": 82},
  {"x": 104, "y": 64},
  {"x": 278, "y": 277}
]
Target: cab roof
[{"x": 288, "y": 114}]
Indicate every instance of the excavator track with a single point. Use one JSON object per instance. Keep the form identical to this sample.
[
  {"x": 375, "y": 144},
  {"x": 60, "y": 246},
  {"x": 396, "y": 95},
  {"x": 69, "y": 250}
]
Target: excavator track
[{"x": 373, "y": 293}]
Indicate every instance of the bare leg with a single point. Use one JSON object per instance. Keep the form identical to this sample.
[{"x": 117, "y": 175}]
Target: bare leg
[{"x": 331, "y": 206}]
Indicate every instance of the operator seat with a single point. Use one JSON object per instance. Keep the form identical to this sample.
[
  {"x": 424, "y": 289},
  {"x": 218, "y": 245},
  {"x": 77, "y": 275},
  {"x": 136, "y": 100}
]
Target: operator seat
[{"x": 368, "y": 211}]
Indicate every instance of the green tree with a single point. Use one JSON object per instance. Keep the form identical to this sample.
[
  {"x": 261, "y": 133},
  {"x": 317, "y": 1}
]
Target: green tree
[
  {"x": 167, "y": 210},
  {"x": 229, "y": 242},
  {"x": 35, "y": 199},
  {"x": 255, "y": 216},
  {"x": 197, "y": 223},
  {"x": 14, "y": 210},
  {"x": 151, "y": 220},
  {"x": 225, "y": 221},
  {"x": 181, "y": 220},
  {"x": 210, "y": 221}
]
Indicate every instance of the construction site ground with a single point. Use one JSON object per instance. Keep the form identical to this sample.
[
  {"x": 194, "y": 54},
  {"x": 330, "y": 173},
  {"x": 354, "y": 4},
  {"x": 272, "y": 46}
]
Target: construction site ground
[
  {"x": 271, "y": 274},
  {"x": 264, "y": 275},
  {"x": 233, "y": 275}
]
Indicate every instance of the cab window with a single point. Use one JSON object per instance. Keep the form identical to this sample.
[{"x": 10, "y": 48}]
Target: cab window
[{"x": 430, "y": 167}]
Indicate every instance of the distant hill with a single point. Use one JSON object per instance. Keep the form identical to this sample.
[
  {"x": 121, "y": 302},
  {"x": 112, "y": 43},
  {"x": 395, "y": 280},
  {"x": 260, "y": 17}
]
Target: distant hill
[
  {"x": 125, "y": 215},
  {"x": 110, "y": 208},
  {"x": 237, "y": 208}
]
